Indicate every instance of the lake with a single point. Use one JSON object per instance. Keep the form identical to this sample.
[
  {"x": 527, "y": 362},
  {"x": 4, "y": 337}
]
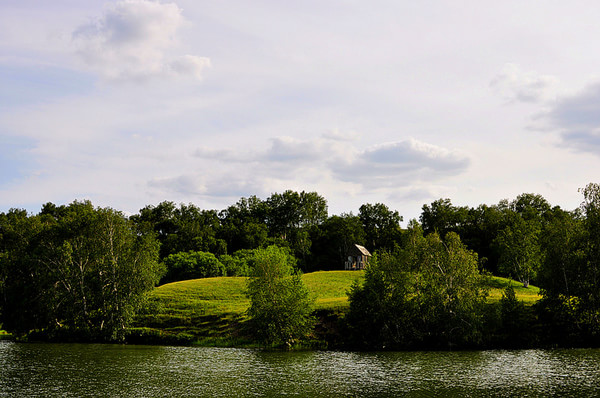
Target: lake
[{"x": 94, "y": 370}]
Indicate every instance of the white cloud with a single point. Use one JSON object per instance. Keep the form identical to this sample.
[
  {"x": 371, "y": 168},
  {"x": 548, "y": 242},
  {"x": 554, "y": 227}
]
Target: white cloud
[
  {"x": 288, "y": 149},
  {"x": 184, "y": 184},
  {"x": 336, "y": 135},
  {"x": 414, "y": 153},
  {"x": 397, "y": 164},
  {"x": 576, "y": 119},
  {"x": 188, "y": 65},
  {"x": 514, "y": 84},
  {"x": 134, "y": 39},
  {"x": 400, "y": 164}
]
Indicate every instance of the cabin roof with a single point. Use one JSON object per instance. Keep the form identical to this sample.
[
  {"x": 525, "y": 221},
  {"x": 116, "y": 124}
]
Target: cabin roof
[{"x": 363, "y": 250}]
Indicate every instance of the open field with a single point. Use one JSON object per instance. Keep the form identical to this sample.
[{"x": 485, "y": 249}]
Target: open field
[
  {"x": 528, "y": 295},
  {"x": 211, "y": 311}
]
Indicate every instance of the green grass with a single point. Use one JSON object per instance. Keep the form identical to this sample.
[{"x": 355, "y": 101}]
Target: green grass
[
  {"x": 4, "y": 335},
  {"x": 211, "y": 311},
  {"x": 330, "y": 287},
  {"x": 529, "y": 295}
]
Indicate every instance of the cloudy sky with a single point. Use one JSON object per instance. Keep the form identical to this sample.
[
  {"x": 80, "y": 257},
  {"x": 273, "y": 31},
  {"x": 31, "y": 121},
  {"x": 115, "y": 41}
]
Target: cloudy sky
[{"x": 132, "y": 102}]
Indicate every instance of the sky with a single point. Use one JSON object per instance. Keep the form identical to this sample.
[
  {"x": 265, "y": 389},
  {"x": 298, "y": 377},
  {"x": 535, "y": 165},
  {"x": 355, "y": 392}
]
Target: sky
[{"x": 129, "y": 103}]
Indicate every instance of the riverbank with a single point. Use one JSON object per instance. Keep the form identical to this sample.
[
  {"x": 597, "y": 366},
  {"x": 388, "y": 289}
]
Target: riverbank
[{"x": 212, "y": 311}]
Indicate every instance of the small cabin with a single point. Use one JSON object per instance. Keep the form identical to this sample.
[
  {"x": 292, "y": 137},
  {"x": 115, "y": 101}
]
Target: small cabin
[{"x": 358, "y": 258}]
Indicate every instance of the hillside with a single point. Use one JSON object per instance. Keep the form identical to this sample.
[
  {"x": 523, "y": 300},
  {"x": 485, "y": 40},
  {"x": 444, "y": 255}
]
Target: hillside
[{"x": 211, "y": 311}]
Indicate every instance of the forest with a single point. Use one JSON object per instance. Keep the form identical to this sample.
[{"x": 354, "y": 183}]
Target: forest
[{"x": 79, "y": 270}]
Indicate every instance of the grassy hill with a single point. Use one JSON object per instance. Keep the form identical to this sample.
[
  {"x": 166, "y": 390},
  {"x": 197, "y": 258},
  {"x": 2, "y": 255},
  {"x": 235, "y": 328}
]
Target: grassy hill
[{"x": 211, "y": 311}]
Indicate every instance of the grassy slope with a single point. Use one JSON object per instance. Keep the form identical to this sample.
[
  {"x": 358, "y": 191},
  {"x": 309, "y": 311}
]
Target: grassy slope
[
  {"x": 211, "y": 310},
  {"x": 497, "y": 285}
]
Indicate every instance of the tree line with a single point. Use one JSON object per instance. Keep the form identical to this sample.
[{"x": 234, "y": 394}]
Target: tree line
[{"x": 85, "y": 269}]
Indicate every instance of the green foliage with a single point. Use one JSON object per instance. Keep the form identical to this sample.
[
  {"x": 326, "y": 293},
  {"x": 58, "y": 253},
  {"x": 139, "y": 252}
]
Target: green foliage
[
  {"x": 214, "y": 310},
  {"x": 243, "y": 224},
  {"x": 520, "y": 249},
  {"x": 234, "y": 266},
  {"x": 428, "y": 293},
  {"x": 181, "y": 229},
  {"x": 75, "y": 268},
  {"x": 382, "y": 311},
  {"x": 192, "y": 265},
  {"x": 564, "y": 263},
  {"x": 442, "y": 217},
  {"x": 280, "y": 304},
  {"x": 333, "y": 240},
  {"x": 381, "y": 226},
  {"x": 449, "y": 291},
  {"x": 513, "y": 316},
  {"x": 575, "y": 303}
]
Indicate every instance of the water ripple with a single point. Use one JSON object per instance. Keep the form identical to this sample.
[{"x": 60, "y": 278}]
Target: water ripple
[{"x": 77, "y": 370}]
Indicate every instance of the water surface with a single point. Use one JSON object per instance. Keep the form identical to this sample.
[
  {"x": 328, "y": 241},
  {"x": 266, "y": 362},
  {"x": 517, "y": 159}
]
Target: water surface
[{"x": 84, "y": 370}]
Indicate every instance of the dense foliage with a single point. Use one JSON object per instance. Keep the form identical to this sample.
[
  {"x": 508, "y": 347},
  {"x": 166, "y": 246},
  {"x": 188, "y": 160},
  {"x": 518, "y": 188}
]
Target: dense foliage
[
  {"x": 427, "y": 294},
  {"x": 280, "y": 304},
  {"x": 192, "y": 265},
  {"x": 85, "y": 270},
  {"x": 74, "y": 269}
]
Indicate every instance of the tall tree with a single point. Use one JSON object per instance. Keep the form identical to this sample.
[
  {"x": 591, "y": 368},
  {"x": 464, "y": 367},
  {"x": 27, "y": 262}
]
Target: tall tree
[
  {"x": 381, "y": 226},
  {"x": 335, "y": 237},
  {"x": 442, "y": 217},
  {"x": 280, "y": 304},
  {"x": 563, "y": 245},
  {"x": 77, "y": 268},
  {"x": 428, "y": 292},
  {"x": 182, "y": 228},
  {"x": 520, "y": 250},
  {"x": 243, "y": 225},
  {"x": 590, "y": 294},
  {"x": 449, "y": 291},
  {"x": 292, "y": 210}
]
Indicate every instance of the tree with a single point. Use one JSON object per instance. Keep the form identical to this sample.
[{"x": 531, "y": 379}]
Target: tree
[
  {"x": 531, "y": 206},
  {"x": 291, "y": 210},
  {"x": 381, "y": 226},
  {"x": 570, "y": 273},
  {"x": 182, "y": 228},
  {"x": 449, "y": 291},
  {"x": 76, "y": 269},
  {"x": 442, "y": 217},
  {"x": 520, "y": 252},
  {"x": 590, "y": 283},
  {"x": 427, "y": 293},
  {"x": 192, "y": 265},
  {"x": 563, "y": 245},
  {"x": 280, "y": 304},
  {"x": 243, "y": 224},
  {"x": 292, "y": 218},
  {"x": 236, "y": 264},
  {"x": 335, "y": 237},
  {"x": 382, "y": 309},
  {"x": 24, "y": 299},
  {"x": 513, "y": 318},
  {"x": 479, "y": 231}
]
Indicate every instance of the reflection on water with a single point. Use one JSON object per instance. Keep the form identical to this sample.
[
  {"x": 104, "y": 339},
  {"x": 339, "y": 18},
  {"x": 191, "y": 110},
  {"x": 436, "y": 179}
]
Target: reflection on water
[{"x": 77, "y": 370}]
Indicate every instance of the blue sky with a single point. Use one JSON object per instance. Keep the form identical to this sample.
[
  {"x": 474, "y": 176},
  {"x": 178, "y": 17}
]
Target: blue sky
[{"x": 129, "y": 103}]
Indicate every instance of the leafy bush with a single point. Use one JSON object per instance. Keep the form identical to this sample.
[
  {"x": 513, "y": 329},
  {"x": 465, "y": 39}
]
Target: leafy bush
[
  {"x": 192, "y": 265},
  {"x": 235, "y": 266},
  {"x": 280, "y": 303}
]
